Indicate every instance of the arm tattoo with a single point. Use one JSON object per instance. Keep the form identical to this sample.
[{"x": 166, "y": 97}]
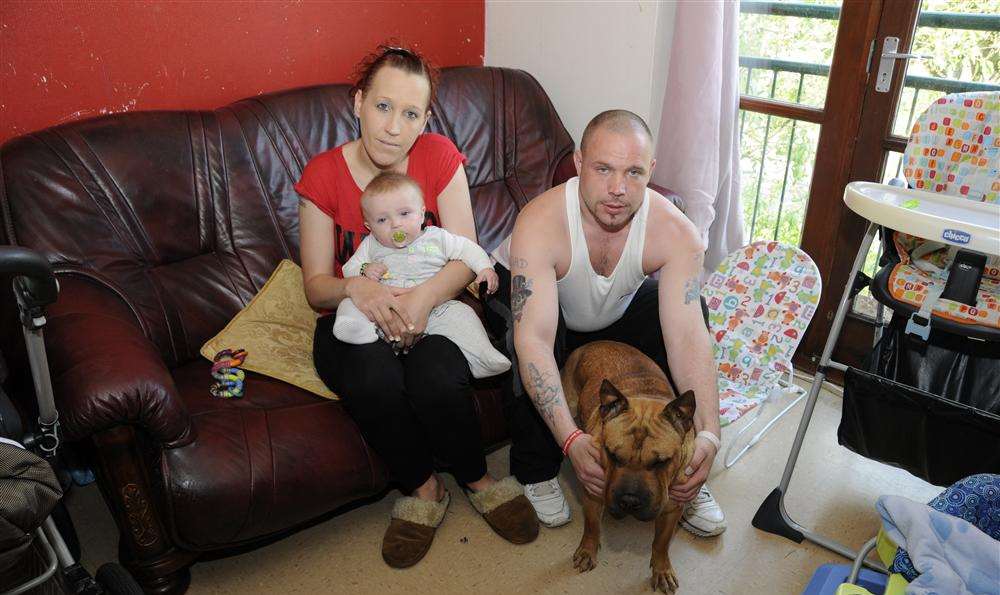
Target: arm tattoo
[
  {"x": 691, "y": 290},
  {"x": 544, "y": 393},
  {"x": 519, "y": 293},
  {"x": 518, "y": 262}
]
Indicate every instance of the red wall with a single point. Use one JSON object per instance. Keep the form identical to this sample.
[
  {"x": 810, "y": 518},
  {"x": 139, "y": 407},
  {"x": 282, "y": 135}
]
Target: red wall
[{"x": 63, "y": 60}]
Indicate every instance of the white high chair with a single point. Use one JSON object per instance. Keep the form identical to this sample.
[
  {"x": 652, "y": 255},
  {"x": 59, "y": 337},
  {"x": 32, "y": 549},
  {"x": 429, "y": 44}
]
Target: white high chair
[{"x": 953, "y": 150}]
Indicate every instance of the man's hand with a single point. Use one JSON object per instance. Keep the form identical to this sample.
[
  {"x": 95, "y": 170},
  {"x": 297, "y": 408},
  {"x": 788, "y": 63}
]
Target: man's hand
[
  {"x": 696, "y": 473},
  {"x": 586, "y": 459},
  {"x": 490, "y": 277}
]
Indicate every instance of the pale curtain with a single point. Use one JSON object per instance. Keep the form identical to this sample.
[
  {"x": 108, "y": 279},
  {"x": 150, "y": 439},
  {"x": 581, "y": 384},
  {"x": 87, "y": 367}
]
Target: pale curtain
[{"x": 698, "y": 153}]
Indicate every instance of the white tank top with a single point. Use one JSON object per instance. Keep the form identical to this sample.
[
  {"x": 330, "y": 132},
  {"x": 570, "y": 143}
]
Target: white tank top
[{"x": 589, "y": 301}]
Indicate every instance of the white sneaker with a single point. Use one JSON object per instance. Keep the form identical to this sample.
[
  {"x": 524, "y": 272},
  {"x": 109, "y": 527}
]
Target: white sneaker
[
  {"x": 549, "y": 502},
  {"x": 703, "y": 516}
]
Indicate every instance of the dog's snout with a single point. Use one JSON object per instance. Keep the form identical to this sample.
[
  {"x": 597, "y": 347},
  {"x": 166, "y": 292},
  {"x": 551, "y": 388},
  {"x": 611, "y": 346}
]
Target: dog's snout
[
  {"x": 633, "y": 499},
  {"x": 629, "y": 502}
]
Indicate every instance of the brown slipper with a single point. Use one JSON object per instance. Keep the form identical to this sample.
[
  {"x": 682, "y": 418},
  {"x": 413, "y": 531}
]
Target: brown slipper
[
  {"x": 411, "y": 530},
  {"x": 507, "y": 510}
]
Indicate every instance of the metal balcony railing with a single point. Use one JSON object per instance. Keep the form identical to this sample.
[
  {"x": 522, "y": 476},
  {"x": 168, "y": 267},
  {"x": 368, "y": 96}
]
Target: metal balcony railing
[{"x": 940, "y": 20}]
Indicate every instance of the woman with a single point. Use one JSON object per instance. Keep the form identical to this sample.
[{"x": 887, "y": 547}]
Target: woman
[{"x": 416, "y": 406}]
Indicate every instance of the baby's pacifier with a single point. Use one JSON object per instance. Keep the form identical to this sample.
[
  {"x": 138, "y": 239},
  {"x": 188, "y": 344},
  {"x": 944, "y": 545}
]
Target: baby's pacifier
[{"x": 399, "y": 236}]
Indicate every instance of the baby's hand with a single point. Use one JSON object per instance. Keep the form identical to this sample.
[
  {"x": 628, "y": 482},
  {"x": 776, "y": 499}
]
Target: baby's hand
[
  {"x": 490, "y": 276},
  {"x": 375, "y": 270}
]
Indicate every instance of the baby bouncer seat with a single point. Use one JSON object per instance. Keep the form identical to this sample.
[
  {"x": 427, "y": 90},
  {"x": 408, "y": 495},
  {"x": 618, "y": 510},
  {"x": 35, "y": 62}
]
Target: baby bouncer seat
[
  {"x": 928, "y": 398},
  {"x": 760, "y": 300}
]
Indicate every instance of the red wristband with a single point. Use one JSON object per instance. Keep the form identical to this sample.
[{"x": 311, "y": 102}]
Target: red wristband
[{"x": 569, "y": 441}]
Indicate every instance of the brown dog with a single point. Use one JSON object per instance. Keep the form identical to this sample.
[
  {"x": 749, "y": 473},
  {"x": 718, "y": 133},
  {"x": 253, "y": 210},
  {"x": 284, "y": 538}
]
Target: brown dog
[{"x": 646, "y": 436}]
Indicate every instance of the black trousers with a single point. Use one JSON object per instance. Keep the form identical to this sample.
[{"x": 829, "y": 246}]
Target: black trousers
[
  {"x": 411, "y": 408},
  {"x": 534, "y": 454}
]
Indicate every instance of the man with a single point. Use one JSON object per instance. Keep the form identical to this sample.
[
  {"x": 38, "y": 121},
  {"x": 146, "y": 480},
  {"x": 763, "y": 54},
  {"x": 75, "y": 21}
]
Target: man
[{"x": 581, "y": 257}]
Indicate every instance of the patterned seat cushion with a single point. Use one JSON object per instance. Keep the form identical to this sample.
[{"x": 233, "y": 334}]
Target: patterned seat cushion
[
  {"x": 954, "y": 146},
  {"x": 737, "y": 399},
  {"x": 910, "y": 285},
  {"x": 760, "y": 301}
]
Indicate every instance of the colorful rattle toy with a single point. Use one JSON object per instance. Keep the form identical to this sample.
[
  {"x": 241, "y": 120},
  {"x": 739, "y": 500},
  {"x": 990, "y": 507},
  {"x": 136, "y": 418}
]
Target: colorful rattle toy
[{"x": 227, "y": 373}]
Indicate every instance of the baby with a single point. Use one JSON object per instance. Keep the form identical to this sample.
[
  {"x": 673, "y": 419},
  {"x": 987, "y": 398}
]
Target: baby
[{"x": 401, "y": 254}]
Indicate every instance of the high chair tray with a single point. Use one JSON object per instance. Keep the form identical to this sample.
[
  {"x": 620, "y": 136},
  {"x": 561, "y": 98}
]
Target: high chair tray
[{"x": 938, "y": 217}]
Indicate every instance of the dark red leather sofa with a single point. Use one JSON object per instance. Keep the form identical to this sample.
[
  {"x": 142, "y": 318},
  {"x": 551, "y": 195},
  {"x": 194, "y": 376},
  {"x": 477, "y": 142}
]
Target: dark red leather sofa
[{"x": 162, "y": 226}]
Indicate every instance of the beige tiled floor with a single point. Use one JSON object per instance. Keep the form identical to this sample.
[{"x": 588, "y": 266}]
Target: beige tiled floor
[{"x": 833, "y": 490}]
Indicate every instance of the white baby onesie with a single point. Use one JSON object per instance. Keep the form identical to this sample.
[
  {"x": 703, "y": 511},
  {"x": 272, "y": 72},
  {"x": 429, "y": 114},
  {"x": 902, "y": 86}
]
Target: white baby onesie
[{"x": 410, "y": 266}]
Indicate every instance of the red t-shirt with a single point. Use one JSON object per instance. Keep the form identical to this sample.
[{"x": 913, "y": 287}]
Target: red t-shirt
[{"x": 328, "y": 184}]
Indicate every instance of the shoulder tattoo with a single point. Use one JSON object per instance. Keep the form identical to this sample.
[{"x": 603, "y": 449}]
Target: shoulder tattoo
[{"x": 520, "y": 291}]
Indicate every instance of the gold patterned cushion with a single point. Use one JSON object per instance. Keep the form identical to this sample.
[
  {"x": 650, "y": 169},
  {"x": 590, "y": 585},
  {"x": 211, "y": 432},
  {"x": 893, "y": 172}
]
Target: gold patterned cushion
[{"x": 276, "y": 328}]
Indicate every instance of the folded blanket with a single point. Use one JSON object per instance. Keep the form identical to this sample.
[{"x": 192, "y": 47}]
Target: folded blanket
[
  {"x": 975, "y": 498},
  {"x": 952, "y": 556}
]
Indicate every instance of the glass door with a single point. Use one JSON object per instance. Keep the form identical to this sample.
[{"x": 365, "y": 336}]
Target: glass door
[{"x": 803, "y": 74}]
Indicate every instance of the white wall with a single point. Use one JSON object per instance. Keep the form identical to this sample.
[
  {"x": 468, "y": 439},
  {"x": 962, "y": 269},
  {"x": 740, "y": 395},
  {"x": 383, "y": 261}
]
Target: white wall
[{"x": 589, "y": 56}]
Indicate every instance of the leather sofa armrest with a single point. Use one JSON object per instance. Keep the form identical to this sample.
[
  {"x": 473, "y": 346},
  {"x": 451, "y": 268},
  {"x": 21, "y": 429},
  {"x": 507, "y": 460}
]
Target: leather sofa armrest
[
  {"x": 669, "y": 195},
  {"x": 105, "y": 371}
]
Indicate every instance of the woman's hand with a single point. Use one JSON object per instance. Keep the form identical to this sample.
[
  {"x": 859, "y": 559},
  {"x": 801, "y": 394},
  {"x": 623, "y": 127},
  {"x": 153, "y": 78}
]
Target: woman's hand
[
  {"x": 381, "y": 307},
  {"x": 418, "y": 305}
]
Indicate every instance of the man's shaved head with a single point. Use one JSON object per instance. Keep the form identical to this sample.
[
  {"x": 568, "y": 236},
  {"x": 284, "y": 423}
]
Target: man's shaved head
[
  {"x": 617, "y": 120},
  {"x": 614, "y": 162}
]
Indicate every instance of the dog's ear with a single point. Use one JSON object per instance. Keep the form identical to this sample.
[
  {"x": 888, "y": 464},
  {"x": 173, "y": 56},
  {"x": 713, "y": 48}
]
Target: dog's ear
[
  {"x": 613, "y": 402},
  {"x": 680, "y": 412}
]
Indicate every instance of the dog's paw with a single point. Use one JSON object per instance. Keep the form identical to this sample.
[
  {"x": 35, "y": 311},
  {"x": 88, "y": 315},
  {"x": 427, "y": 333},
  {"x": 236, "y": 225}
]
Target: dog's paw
[
  {"x": 664, "y": 580},
  {"x": 585, "y": 559}
]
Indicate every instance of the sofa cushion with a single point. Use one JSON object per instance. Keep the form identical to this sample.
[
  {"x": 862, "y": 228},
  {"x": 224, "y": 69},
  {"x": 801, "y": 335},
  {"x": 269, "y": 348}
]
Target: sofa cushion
[
  {"x": 503, "y": 121},
  {"x": 261, "y": 463},
  {"x": 276, "y": 330},
  {"x": 158, "y": 207},
  {"x": 265, "y": 462}
]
